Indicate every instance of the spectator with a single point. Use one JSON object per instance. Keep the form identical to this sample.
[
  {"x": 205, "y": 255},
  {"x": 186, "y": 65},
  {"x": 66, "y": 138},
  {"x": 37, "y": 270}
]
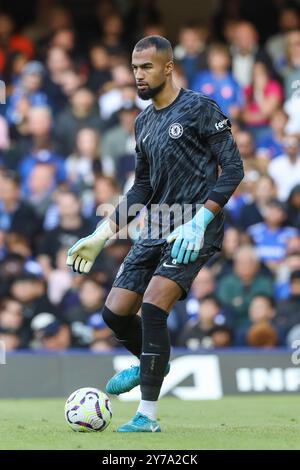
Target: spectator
[
  {"x": 271, "y": 145},
  {"x": 40, "y": 186},
  {"x": 30, "y": 291},
  {"x": 203, "y": 285},
  {"x": 271, "y": 236},
  {"x": 42, "y": 151},
  {"x": 15, "y": 212},
  {"x": 58, "y": 63},
  {"x": 261, "y": 312},
  {"x": 236, "y": 290},
  {"x": 262, "y": 335},
  {"x": 285, "y": 169},
  {"x": 293, "y": 207},
  {"x": 218, "y": 83},
  {"x": 82, "y": 113},
  {"x": 55, "y": 18},
  {"x": 71, "y": 80},
  {"x": 15, "y": 64},
  {"x": 65, "y": 38},
  {"x": 119, "y": 140},
  {"x": 252, "y": 213},
  {"x": 288, "y": 311},
  {"x": 119, "y": 92},
  {"x": 60, "y": 278},
  {"x": 27, "y": 93},
  {"x": 116, "y": 251},
  {"x": 289, "y": 20},
  {"x": 86, "y": 161},
  {"x": 290, "y": 264},
  {"x": 12, "y": 321},
  {"x": 107, "y": 193},
  {"x": 17, "y": 243},
  {"x": 71, "y": 227},
  {"x": 11, "y": 340},
  {"x": 49, "y": 333},
  {"x": 2, "y": 245},
  {"x": 263, "y": 97},
  {"x": 245, "y": 52},
  {"x": 11, "y": 42},
  {"x": 223, "y": 264},
  {"x": 154, "y": 28},
  {"x": 112, "y": 37},
  {"x": 291, "y": 83},
  {"x": 100, "y": 73},
  {"x": 85, "y": 319},
  {"x": 4, "y": 137},
  {"x": 291, "y": 74},
  {"x": 200, "y": 332},
  {"x": 246, "y": 146},
  {"x": 190, "y": 52}
]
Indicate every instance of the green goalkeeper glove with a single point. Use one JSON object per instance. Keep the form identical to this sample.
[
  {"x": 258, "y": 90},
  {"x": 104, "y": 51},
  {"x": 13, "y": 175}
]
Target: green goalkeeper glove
[{"x": 82, "y": 255}]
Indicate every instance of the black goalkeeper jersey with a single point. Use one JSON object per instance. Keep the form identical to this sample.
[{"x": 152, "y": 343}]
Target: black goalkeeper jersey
[{"x": 179, "y": 151}]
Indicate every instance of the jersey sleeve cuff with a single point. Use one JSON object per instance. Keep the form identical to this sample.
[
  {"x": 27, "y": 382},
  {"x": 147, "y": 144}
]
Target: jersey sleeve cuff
[{"x": 217, "y": 197}]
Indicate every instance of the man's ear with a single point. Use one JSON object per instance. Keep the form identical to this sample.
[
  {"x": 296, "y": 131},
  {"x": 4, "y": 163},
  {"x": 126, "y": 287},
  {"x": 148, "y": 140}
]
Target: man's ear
[{"x": 169, "y": 67}]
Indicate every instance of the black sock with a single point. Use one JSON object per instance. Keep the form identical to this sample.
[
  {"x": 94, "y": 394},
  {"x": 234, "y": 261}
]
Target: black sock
[
  {"x": 156, "y": 350},
  {"x": 128, "y": 330}
]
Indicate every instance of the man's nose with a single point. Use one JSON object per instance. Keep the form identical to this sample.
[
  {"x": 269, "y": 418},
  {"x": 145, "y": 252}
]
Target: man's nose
[{"x": 139, "y": 75}]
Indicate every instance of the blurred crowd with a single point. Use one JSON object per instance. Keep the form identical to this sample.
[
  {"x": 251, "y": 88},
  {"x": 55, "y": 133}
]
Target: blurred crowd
[{"x": 67, "y": 146}]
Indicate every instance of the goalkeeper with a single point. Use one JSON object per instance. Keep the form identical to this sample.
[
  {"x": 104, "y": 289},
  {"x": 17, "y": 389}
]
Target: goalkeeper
[{"x": 181, "y": 141}]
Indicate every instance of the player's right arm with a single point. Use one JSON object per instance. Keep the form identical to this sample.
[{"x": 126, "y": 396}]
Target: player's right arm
[{"x": 82, "y": 255}]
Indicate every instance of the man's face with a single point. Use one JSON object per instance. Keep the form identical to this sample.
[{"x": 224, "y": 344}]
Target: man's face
[
  {"x": 246, "y": 267},
  {"x": 260, "y": 309},
  {"x": 9, "y": 191},
  {"x": 274, "y": 215},
  {"x": 150, "y": 71},
  {"x": 291, "y": 145},
  {"x": 68, "y": 205},
  {"x": 245, "y": 37},
  {"x": 245, "y": 144}
]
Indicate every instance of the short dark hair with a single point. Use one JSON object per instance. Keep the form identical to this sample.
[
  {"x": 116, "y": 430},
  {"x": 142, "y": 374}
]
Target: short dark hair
[
  {"x": 211, "y": 298},
  {"x": 159, "y": 42},
  {"x": 12, "y": 176},
  {"x": 295, "y": 275},
  {"x": 267, "y": 297}
]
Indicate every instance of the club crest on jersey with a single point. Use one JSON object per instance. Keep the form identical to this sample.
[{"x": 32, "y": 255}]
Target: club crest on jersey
[{"x": 175, "y": 130}]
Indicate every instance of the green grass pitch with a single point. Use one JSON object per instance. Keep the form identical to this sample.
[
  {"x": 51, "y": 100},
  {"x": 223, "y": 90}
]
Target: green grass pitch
[{"x": 264, "y": 422}]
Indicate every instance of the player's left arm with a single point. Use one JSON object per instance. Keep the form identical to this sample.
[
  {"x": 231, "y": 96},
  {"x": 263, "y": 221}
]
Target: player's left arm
[
  {"x": 189, "y": 238},
  {"x": 225, "y": 150}
]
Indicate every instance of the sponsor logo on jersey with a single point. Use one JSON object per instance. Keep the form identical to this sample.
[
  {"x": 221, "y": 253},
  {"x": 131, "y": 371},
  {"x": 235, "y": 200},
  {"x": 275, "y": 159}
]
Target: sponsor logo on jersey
[
  {"x": 219, "y": 125},
  {"x": 175, "y": 130}
]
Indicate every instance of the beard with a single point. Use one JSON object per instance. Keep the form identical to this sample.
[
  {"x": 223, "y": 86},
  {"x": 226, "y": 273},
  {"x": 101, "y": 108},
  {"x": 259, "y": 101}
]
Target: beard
[{"x": 150, "y": 92}]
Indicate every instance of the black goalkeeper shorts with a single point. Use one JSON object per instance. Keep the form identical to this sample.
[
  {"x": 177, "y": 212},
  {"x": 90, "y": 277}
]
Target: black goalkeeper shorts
[{"x": 144, "y": 261}]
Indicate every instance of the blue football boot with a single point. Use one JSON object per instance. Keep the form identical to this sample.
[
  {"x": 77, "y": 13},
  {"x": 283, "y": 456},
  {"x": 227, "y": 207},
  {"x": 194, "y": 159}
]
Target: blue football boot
[
  {"x": 140, "y": 423},
  {"x": 126, "y": 380}
]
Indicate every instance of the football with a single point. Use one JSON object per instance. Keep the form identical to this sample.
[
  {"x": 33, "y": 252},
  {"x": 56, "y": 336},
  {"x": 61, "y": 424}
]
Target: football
[{"x": 88, "y": 410}]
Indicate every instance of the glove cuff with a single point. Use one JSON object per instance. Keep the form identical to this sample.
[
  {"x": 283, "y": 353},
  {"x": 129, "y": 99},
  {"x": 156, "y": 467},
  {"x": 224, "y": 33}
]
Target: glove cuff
[
  {"x": 203, "y": 217},
  {"x": 104, "y": 231}
]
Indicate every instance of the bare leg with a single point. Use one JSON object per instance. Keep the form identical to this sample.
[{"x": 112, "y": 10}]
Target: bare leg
[
  {"x": 162, "y": 292},
  {"x": 123, "y": 302}
]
